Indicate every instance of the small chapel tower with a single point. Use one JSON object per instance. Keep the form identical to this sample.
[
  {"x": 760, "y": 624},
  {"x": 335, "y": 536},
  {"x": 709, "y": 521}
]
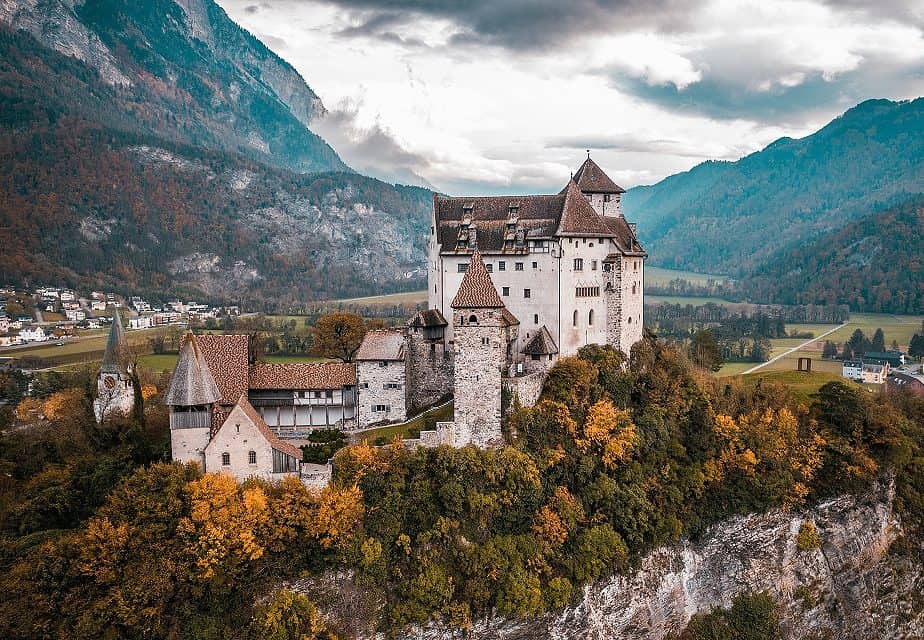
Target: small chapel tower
[
  {"x": 190, "y": 398},
  {"x": 484, "y": 333},
  {"x": 115, "y": 391}
]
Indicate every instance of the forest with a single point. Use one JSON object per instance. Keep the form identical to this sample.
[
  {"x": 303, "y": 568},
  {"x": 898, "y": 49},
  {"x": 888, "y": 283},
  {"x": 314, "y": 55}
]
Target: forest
[{"x": 103, "y": 537}]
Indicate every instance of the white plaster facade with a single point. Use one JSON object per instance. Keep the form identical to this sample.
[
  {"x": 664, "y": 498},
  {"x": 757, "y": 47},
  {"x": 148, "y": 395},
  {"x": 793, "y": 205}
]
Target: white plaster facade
[
  {"x": 381, "y": 392},
  {"x": 242, "y": 445}
]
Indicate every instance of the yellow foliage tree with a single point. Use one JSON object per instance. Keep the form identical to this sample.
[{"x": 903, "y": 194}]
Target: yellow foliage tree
[
  {"x": 28, "y": 409},
  {"x": 339, "y": 515},
  {"x": 610, "y": 432}
]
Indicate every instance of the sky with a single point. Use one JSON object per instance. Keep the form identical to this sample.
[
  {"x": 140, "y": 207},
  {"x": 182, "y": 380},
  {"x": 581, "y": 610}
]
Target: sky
[{"x": 485, "y": 96}]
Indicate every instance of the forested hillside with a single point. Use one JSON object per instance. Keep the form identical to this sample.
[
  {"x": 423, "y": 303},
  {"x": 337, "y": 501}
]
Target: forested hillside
[
  {"x": 873, "y": 264},
  {"x": 733, "y": 217}
]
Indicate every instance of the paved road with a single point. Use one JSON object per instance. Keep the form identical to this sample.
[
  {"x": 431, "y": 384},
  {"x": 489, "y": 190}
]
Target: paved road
[{"x": 796, "y": 348}]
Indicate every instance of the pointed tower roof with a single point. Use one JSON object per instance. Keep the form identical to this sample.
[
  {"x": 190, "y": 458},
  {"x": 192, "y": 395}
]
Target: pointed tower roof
[
  {"x": 477, "y": 289},
  {"x": 114, "y": 355},
  {"x": 541, "y": 343},
  {"x": 591, "y": 179},
  {"x": 578, "y": 217},
  {"x": 192, "y": 382}
]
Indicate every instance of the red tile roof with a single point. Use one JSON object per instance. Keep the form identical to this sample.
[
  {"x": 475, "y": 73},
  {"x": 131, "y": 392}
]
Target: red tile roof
[
  {"x": 578, "y": 217},
  {"x": 477, "y": 291},
  {"x": 227, "y": 358},
  {"x": 302, "y": 375},
  {"x": 591, "y": 179},
  {"x": 382, "y": 344}
]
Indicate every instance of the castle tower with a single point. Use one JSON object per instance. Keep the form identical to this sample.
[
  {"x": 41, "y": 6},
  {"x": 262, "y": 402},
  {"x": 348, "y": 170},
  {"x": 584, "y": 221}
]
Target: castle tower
[
  {"x": 115, "y": 391},
  {"x": 484, "y": 333},
  {"x": 190, "y": 398},
  {"x": 602, "y": 193}
]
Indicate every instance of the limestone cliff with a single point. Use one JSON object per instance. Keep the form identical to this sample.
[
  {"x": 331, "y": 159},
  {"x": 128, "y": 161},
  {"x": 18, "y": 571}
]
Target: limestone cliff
[{"x": 849, "y": 587}]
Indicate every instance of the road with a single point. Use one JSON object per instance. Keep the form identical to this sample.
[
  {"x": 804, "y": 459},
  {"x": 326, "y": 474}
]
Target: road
[{"x": 796, "y": 348}]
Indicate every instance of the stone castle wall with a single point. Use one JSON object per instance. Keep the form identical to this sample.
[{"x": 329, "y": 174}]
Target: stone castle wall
[
  {"x": 372, "y": 391},
  {"x": 612, "y": 292},
  {"x": 480, "y": 356},
  {"x": 632, "y": 281},
  {"x": 525, "y": 389},
  {"x": 429, "y": 372}
]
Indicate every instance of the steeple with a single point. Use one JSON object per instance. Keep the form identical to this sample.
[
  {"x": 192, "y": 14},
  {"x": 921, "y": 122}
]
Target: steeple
[
  {"x": 114, "y": 355},
  {"x": 477, "y": 290},
  {"x": 192, "y": 383}
]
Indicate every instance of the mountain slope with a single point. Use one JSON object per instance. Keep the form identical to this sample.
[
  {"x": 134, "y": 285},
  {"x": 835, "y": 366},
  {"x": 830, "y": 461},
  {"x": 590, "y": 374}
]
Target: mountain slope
[
  {"x": 732, "y": 217},
  {"x": 183, "y": 71},
  {"x": 873, "y": 264}
]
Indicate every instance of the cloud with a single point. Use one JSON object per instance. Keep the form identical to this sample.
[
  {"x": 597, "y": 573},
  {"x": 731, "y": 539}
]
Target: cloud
[
  {"x": 370, "y": 149},
  {"x": 634, "y": 143}
]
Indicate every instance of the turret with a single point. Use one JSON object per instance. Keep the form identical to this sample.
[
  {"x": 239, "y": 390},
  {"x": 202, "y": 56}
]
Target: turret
[
  {"x": 190, "y": 399},
  {"x": 115, "y": 388},
  {"x": 484, "y": 332},
  {"x": 602, "y": 193}
]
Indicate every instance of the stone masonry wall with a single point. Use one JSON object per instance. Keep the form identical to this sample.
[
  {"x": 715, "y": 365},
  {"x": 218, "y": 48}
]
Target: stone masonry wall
[
  {"x": 429, "y": 372},
  {"x": 612, "y": 292},
  {"x": 372, "y": 378},
  {"x": 238, "y": 437},
  {"x": 477, "y": 378},
  {"x": 526, "y": 388}
]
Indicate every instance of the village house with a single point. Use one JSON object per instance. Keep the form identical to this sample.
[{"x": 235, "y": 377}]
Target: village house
[
  {"x": 33, "y": 334},
  {"x": 382, "y": 376},
  {"x": 912, "y": 380}
]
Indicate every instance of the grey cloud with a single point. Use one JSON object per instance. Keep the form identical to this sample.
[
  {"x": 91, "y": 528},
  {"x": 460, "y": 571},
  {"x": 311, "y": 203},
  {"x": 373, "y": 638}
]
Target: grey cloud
[
  {"x": 904, "y": 11},
  {"x": 630, "y": 143}
]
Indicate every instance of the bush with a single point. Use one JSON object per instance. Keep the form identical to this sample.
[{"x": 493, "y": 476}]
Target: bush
[{"x": 807, "y": 538}]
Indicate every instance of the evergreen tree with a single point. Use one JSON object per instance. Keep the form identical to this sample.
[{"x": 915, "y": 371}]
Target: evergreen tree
[
  {"x": 878, "y": 343},
  {"x": 704, "y": 350},
  {"x": 830, "y": 350},
  {"x": 858, "y": 342},
  {"x": 916, "y": 347}
]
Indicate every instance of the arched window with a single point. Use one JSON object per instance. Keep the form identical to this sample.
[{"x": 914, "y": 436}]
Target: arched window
[
  {"x": 473, "y": 319},
  {"x": 574, "y": 318},
  {"x": 590, "y": 317},
  {"x": 630, "y": 319},
  {"x": 225, "y": 459},
  {"x": 252, "y": 457},
  {"x": 633, "y": 288}
]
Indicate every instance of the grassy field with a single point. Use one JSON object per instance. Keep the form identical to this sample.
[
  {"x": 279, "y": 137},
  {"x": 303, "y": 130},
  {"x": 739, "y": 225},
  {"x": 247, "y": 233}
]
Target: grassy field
[
  {"x": 443, "y": 414},
  {"x": 158, "y": 362},
  {"x": 659, "y": 276},
  {"x": 412, "y": 297},
  {"x": 803, "y": 384}
]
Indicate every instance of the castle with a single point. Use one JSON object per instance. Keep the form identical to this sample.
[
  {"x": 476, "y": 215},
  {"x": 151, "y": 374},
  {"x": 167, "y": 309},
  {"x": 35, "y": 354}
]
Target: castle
[{"x": 514, "y": 283}]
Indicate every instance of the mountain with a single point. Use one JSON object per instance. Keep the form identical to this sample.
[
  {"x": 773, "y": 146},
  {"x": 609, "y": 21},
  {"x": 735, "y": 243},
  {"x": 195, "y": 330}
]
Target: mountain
[
  {"x": 158, "y": 148},
  {"x": 873, "y": 264},
  {"x": 734, "y": 217},
  {"x": 181, "y": 70}
]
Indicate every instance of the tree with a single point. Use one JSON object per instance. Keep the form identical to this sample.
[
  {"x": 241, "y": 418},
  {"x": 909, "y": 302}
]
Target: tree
[
  {"x": 858, "y": 342},
  {"x": 916, "y": 347},
  {"x": 878, "y": 343},
  {"x": 338, "y": 335},
  {"x": 830, "y": 350},
  {"x": 705, "y": 351},
  {"x": 288, "y": 616}
]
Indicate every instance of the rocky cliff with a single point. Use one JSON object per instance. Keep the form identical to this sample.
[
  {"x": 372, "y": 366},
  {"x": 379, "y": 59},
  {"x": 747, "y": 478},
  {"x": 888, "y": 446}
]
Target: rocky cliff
[{"x": 850, "y": 587}]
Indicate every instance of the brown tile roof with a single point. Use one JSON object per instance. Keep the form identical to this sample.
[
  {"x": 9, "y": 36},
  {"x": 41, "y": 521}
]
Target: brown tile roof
[
  {"x": 477, "y": 290},
  {"x": 428, "y": 318},
  {"x": 227, "y": 358},
  {"x": 623, "y": 235},
  {"x": 508, "y": 317},
  {"x": 541, "y": 343},
  {"x": 302, "y": 375},
  {"x": 591, "y": 179},
  {"x": 265, "y": 431},
  {"x": 382, "y": 344},
  {"x": 192, "y": 382},
  {"x": 578, "y": 217}
]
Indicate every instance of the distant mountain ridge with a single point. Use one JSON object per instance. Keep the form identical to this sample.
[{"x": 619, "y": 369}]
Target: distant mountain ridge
[
  {"x": 734, "y": 217},
  {"x": 186, "y": 72}
]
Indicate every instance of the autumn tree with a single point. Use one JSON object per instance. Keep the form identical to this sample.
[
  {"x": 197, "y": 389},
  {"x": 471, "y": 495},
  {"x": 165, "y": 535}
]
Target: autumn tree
[
  {"x": 705, "y": 351},
  {"x": 288, "y": 616},
  {"x": 608, "y": 431},
  {"x": 338, "y": 335}
]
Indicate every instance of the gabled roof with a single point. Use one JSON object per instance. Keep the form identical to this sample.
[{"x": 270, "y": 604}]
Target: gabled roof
[
  {"x": 302, "y": 375},
  {"x": 192, "y": 382},
  {"x": 382, "y": 344},
  {"x": 114, "y": 355},
  {"x": 591, "y": 179},
  {"x": 541, "y": 343},
  {"x": 428, "y": 318},
  {"x": 508, "y": 318},
  {"x": 477, "y": 289},
  {"x": 227, "y": 357},
  {"x": 244, "y": 407},
  {"x": 578, "y": 217}
]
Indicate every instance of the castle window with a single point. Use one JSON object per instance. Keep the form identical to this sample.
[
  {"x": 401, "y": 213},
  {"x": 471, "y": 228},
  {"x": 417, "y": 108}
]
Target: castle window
[
  {"x": 630, "y": 319},
  {"x": 489, "y": 267},
  {"x": 518, "y": 266},
  {"x": 382, "y": 364},
  {"x": 462, "y": 268},
  {"x": 392, "y": 385},
  {"x": 633, "y": 287},
  {"x": 586, "y": 292},
  {"x": 591, "y": 245},
  {"x": 330, "y": 393},
  {"x": 535, "y": 356},
  {"x": 527, "y": 293},
  {"x": 574, "y": 318},
  {"x": 535, "y": 318},
  {"x": 606, "y": 197},
  {"x": 381, "y": 408},
  {"x": 593, "y": 265},
  {"x": 635, "y": 262},
  {"x": 485, "y": 341},
  {"x": 590, "y": 317},
  {"x": 473, "y": 319},
  {"x": 505, "y": 291},
  {"x": 579, "y": 264},
  {"x": 225, "y": 459},
  {"x": 252, "y": 457},
  {"x": 501, "y": 266},
  {"x": 535, "y": 265}
]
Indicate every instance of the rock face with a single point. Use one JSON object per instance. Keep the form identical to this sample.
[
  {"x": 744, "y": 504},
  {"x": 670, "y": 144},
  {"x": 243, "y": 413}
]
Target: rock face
[{"x": 848, "y": 588}]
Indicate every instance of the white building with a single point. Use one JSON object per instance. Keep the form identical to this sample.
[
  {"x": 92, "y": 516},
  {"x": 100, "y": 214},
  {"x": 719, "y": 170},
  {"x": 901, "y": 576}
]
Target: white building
[
  {"x": 381, "y": 372},
  {"x": 33, "y": 334},
  {"x": 568, "y": 264},
  {"x": 852, "y": 369}
]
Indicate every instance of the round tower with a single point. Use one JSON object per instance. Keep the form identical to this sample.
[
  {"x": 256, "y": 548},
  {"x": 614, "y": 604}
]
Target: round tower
[{"x": 190, "y": 398}]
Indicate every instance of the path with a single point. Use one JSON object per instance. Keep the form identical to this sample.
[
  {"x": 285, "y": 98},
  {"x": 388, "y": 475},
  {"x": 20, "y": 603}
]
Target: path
[{"x": 796, "y": 348}]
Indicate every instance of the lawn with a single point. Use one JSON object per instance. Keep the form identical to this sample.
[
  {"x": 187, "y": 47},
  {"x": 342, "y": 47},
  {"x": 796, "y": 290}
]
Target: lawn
[
  {"x": 695, "y": 300},
  {"x": 659, "y": 276},
  {"x": 158, "y": 362},
  {"x": 412, "y": 297},
  {"x": 87, "y": 347},
  {"x": 442, "y": 414},
  {"x": 802, "y": 384}
]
